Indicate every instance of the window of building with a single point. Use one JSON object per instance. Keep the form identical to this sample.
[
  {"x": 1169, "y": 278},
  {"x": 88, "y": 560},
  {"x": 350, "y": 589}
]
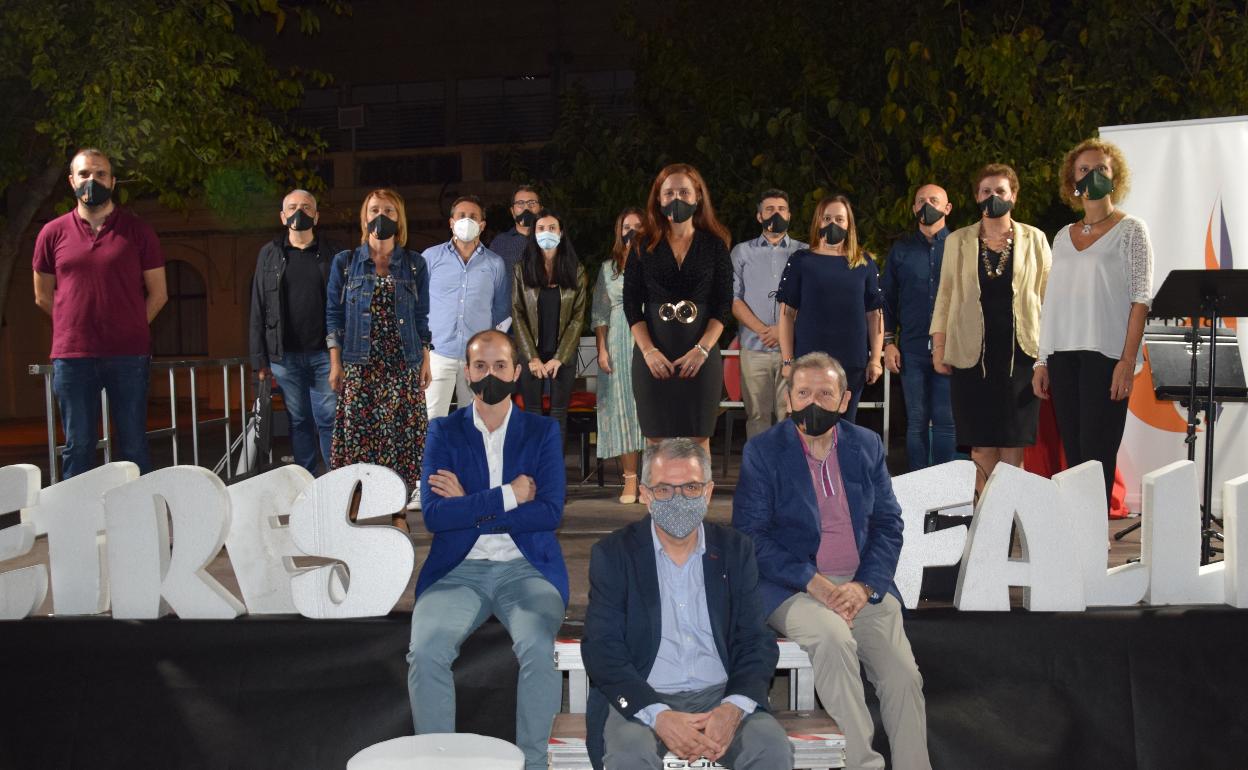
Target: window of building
[{"x": 181, "y": 327}]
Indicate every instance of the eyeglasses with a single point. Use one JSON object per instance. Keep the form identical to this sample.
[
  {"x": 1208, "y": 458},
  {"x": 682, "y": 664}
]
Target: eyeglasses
[
  {"x": 529, "y": 204},
  {"x": 688, "y": 490}
]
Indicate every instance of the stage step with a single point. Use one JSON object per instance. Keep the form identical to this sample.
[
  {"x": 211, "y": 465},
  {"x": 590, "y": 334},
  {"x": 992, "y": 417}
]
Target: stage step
[{"x": 817, "y": 743}]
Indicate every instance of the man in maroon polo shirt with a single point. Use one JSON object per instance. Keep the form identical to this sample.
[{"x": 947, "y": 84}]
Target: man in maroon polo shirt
[{"x": 100, "y": 274}]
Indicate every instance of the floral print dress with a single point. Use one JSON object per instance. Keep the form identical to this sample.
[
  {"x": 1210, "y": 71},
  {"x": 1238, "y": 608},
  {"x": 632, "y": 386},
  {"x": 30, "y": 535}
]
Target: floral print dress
[{"x": 381, "y": 413}]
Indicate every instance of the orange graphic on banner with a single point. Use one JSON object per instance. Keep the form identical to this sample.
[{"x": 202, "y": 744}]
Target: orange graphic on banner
[
  {"x": 1161, "y": 415},
  {"x": 1211, "y": 260}
]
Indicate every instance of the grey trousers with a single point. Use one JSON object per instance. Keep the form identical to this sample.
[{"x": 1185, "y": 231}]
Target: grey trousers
[
  {"x": 760, "y": 742},
  {"x": 879, "y": 642},
  {"x": 762, "y": 390}
]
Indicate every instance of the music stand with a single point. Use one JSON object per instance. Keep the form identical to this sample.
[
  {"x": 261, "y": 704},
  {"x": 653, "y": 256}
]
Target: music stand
[{"x": 1212, "y": 295}]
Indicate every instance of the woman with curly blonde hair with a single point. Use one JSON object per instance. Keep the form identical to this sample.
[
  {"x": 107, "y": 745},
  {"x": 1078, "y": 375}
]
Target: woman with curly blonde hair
[{"x": 1092, "y": 321}]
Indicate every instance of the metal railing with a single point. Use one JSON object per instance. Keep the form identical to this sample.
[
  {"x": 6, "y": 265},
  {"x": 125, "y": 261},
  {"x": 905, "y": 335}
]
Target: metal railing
[{"x": 192, "y": 367}]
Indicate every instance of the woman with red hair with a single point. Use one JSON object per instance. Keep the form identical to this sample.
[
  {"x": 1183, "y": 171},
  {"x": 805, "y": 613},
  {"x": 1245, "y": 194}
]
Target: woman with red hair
[{"x": 677, "y": 297}]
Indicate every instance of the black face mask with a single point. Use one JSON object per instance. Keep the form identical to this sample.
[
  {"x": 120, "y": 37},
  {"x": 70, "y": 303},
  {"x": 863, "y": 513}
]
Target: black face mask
[
  {"x": 491, "y": 389},
  {"x": 776, "y": 224},
  {"x": 814, "y": 420},
  {"x": 678, "y": 211},
  {"x": 383, "y": 227},
  {"x": 300, "y": 221},
  {"x": 995, "y": 207},
  {"x": 929, "y": 215},
  {"x": 526, "y": 219},
  {"x": 1094, "y": 185},
  {"x": 93, "y": 193},
  {"x": 833, "y": 233},
  {"x": 627, "y": 238}
]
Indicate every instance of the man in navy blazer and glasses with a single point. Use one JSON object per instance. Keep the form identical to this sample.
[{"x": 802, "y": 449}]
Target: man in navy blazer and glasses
[
  {"x": 675, "y": 644},
  {"x": 493, "y": 488},
  {"x": 816, "y": 499}
]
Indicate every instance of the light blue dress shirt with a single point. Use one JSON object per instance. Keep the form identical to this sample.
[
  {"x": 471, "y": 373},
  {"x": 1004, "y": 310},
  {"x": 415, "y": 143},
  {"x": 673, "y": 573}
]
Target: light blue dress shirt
[
  {"x": 756, "y": 270},
  {"x": 687, "y": 658},
  {"x": 465, "y": 297}
]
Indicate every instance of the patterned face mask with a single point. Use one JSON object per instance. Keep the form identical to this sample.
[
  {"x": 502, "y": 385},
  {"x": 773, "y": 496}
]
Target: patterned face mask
[{"x": 678, "y": 516}]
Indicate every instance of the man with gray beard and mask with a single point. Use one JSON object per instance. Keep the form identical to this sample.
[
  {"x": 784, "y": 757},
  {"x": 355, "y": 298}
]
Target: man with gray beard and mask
[
  {"x": 817, "y": 501},
  {"x": 676, "y": 644}
]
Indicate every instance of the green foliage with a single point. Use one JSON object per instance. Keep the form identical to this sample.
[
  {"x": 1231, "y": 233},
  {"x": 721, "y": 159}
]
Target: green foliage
[
  {"x": 168, "y": 88},
  {"x": 874, "y": 99}
]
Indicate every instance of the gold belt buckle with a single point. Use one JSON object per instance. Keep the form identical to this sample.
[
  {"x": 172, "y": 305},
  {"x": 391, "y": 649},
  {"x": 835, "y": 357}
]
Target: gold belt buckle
[{"x": 684, "y": 311}]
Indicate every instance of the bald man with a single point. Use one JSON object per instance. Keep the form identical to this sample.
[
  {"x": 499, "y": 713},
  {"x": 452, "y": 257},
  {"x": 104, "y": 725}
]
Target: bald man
[
  {"x": 911, "y": 278},
  {"x": 287, "y": 328}
]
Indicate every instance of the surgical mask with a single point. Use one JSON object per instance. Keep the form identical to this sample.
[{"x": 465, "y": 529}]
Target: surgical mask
[
  {"x": 929, "y": 215},
  {"x": 814, "y": 420},
  {"x": 93, "y": 193},
  {"x": 678, "y": 211},
  {"x": 466, "y": 230},
  {"x": 776, "y": 223},
  {"x": 300, "y": 221},
  {"x": 679, "y": 516},
  {"x": 833, "y": 233},
  {"x": 995, "y": 207},
  {"x": 1094, "y": 185},
  {"x": 526, "y": 218},
  {"x": 548, "y": 240},
  {"x": 490, "y": 388},
  {"x": 382, "y": 227}
]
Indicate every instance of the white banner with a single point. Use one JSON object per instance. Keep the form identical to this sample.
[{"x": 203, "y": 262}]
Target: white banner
[{"x": 1189, "y": 183}]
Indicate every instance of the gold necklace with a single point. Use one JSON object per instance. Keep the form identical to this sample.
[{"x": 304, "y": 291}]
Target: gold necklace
[{"x": 1006, "y": 253}]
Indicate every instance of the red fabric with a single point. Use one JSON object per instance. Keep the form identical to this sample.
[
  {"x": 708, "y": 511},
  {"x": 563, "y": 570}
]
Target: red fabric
[
  {"x": 732, "y": 372},
  {"x": 1046, "y": 458},
  {"x": 580, "y": 401},
  {"x": 100, "y": 306}
]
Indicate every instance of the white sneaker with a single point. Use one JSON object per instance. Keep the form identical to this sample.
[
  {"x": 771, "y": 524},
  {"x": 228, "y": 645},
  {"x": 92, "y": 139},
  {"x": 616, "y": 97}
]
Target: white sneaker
[{"x": 414, "y": 503}]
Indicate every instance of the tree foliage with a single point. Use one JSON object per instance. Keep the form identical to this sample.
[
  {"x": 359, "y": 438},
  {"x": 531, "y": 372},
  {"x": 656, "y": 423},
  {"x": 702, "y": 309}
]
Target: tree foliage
[
  {"x": 874, "y": 99},
  {"x": 169, "y": 89}
]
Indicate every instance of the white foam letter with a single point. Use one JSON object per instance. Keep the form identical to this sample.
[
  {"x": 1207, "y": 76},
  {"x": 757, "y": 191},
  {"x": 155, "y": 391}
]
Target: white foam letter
[
  {"x": 21, "y": 590},
  {"x": 379, "y": 559},
  {"x": 1081, "y": 492},
  {"x": 144, "y": 573},
  {"x": 937, "y": 488},
  {"x": 1235, "y": 530},
  {"x": 1049, "y": 570},
  {"x": 1171, "y": 540},
  {"x": 261, "y": 549}
]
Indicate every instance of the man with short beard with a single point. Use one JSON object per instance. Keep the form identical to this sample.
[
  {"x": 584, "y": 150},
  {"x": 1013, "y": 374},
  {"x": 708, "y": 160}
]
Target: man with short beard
[{"x": 100, "y": 273}]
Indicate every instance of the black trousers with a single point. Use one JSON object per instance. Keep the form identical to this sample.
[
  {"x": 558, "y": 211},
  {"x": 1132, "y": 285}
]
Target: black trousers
[
  {"x": 1090, "y": 422},
  {"x": 532, "y": 388}
]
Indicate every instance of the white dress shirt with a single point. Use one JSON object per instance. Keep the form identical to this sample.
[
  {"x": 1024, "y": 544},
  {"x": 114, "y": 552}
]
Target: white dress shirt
[{"x": 495, "y": 547}]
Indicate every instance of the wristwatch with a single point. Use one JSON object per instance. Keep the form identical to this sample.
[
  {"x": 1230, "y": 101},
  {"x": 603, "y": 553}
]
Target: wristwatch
[
  {"x": 786, "y": 362},
  {"x": 870, "y": 590}
]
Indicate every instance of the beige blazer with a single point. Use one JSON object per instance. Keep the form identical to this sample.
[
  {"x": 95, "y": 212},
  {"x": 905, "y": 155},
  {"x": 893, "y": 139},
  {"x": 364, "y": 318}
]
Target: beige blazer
[{"x": 958, "y": 314}]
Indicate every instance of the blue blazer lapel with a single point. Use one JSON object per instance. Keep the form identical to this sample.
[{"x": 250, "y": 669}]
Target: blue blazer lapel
[
  {"x": 475, "y": 444},
  {"x": 793, "y": 458},
  {"x": 715, "y": 575},
  {"x": 648, "y": 583},
  {"x": 847, "y": 451},
  {"x": 513, "y": 444}
]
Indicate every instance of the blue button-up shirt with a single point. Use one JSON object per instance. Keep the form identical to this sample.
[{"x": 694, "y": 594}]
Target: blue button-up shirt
[
  {"x": 510, "y": 246},
  {"x": 756, "y": 269},
  {"x": 464, "y": 297},
  {"x": 910, "y": 282},
  {"x": 687, "y": 658}
]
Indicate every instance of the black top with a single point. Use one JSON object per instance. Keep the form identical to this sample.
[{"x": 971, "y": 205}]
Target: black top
[
  {"x": 303, "y": 300},
  {"x": 705, "y": 277},
  {"x": 547, "y": 322},
  {"x": 996, "y": 298},
  {"x": 832, "y": 300}
]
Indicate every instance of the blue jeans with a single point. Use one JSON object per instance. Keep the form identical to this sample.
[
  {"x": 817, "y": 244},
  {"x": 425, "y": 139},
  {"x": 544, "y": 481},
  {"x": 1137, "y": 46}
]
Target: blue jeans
[
  {"x": 310, "y": 403},
  {"x": 77, "y": 383},
  {"x": 531, "y": 610},
  {"x": 929, "y": 412}
]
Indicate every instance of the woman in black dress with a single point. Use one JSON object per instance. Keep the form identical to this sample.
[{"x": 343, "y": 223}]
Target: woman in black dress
[
  {"x": 986, "y": 325},
  {"x": 677, "y": 296}
]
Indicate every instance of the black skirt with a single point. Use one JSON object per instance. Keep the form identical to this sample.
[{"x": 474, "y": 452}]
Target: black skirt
[
  {"x": 999, "y": 409},
  {"x": 677, "y": 406}
]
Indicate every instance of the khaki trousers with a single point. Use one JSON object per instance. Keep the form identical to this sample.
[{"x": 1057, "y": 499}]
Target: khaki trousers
[
  {"x": 879, "y": 642},
  {"x": 762, "y": 390}
]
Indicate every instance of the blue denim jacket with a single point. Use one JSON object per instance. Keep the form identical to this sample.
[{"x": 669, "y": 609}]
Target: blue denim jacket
[{"x": 350, "y": 295}]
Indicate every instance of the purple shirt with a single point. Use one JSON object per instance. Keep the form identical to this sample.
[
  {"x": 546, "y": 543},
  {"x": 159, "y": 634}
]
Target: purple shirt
[
  {"x": 100, "y": 305},
  {"x": 838, "y": 550}
]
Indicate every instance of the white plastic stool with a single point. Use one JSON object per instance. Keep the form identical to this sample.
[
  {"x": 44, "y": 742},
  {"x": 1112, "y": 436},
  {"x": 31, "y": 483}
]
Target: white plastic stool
[{"x": 439, "y": 751}]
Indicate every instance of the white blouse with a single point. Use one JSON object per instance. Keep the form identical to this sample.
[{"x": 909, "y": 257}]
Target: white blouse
[{"x": 1090, "y": 292}]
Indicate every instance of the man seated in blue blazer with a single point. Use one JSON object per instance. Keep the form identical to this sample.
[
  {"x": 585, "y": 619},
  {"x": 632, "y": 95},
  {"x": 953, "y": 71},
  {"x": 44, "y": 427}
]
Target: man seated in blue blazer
[
  {"x": 493, "y": 488},
  {"x": 675, "y": 637},
  {"x": 817, "y": 500}
]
